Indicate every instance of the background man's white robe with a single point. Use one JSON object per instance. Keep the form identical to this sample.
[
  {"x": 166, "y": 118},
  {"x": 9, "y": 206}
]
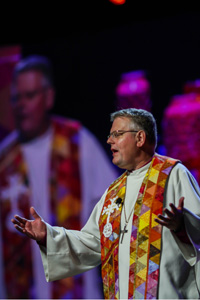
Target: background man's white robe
[
  {"x": 70, "y": 252},
  {"x": 94, "y": 180}
]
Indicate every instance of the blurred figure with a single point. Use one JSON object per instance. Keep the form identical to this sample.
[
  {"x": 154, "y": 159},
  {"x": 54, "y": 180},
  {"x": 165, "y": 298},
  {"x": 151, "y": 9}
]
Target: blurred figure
[
  {"x": 181, "y": 127},
  {"x": 54, "y": 164},
  {"x": 133, "y": 90}
]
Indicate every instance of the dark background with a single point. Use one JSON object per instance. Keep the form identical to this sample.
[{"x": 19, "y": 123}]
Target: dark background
[{"x": 91, "y": 43}]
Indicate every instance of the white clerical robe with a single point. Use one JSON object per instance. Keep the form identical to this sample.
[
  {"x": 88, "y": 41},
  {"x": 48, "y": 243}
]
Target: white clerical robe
[
  {"x": 70, "y": 252},
  {"x": 93, "y": 163}
]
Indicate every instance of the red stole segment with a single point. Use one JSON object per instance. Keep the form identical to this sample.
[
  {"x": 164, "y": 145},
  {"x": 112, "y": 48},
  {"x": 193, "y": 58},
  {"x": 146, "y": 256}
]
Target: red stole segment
[
  {"x": 109, "y": 245},
  {"x": 16, "y": 248}
]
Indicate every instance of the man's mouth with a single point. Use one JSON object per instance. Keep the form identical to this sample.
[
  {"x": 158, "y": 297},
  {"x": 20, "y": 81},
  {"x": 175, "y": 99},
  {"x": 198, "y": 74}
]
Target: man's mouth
[{"x": 114, "y": 151}]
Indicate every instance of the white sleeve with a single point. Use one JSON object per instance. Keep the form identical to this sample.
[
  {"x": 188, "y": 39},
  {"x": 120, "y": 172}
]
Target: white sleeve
[
  {"x": 70, "y": 252},
  {"x": 182, "y": 184}
]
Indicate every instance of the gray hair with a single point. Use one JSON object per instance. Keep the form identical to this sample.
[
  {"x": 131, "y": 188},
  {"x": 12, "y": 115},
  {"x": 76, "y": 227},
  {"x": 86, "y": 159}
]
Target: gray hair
[
  {"x": 35, "y": 63},
  {"x": 142, "y": 119}
]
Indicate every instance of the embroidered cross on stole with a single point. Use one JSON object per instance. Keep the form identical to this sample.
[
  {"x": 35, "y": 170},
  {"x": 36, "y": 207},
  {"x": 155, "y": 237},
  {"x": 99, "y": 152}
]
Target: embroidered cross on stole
[{"x": 145, "y": 243}]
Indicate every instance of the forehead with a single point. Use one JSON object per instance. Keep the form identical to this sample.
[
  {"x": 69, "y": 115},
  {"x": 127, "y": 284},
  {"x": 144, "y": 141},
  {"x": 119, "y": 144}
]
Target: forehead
[
  {"x": 120, "y": 123},
  {"x": 29, "y": 80}
]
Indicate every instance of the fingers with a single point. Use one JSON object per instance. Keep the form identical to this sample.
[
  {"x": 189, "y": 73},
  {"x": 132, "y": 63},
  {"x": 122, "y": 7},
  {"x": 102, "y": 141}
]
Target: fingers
[
  {"x": 24, "y": 220},
  {"x": 180, "y": 206},
  {"x": 181, "y": 203},
  {"x": 20, "y": 219},
  {"x": 162, "y": 217},
  {"x": 22, "y": 230},
  {"x": 163, "y": 222},
  {"x": 19, "y": 225},
  {"x": 174, "y": 218},
  {"x": 169, "y": 213},
  {"x": 34, "y": 213},
  {"x": 173, "y": 207}
]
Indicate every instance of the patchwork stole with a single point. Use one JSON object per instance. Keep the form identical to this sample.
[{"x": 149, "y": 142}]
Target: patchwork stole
[
  {"x": 145, "y": 243},
  {"x": 15, "y": 192}
]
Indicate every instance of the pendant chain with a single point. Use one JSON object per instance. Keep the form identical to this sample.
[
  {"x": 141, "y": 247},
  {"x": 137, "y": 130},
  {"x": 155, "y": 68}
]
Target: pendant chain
[{"x": 126, "y": 221}]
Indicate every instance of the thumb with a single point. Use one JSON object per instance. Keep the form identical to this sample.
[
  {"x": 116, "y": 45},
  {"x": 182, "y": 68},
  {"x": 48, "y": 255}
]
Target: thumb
[
  {"x": 181, "y": 203},
  {"x": 34, "y": 213}
]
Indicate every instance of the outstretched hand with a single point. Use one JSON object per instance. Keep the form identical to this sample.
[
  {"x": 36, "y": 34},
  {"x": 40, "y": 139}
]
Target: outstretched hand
[
  {"x": 174, "y": 218},
  {"x": 34, "y": 229}
]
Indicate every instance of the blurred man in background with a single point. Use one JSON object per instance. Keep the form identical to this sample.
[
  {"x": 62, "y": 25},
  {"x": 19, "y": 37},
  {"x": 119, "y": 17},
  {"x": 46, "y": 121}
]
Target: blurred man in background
[{"x": 54, "y": 164}]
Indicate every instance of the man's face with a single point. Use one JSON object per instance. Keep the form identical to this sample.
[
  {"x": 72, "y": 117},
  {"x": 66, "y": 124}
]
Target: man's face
[
  {"x": 31, "y": 101},
  {"x": 124, "y": 147}
]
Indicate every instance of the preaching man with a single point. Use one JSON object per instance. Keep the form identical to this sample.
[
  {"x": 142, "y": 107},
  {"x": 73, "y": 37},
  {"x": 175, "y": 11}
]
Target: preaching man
[{"x": 144, "y": 231}]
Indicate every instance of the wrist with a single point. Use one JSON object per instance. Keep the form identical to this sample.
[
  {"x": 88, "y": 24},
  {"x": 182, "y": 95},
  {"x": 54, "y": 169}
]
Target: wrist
[
  {"x": 182, "y": 234},
  {"x": 43, "y": 241},
  {"x": 179, "y": 229},
  {"x": 180, "y": 226}
]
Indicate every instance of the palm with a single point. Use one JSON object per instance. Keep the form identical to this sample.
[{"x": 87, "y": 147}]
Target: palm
[{"x": 35, "y": 229}]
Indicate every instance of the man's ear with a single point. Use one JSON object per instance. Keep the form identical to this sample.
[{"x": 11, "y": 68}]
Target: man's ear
[
  {"x": 50, "y": 96},
  {"x": 140, "y": 138}
]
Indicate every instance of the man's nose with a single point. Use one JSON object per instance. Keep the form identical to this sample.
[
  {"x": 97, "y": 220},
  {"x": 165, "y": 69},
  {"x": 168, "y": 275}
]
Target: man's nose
[{"x": 110, "y": 140}]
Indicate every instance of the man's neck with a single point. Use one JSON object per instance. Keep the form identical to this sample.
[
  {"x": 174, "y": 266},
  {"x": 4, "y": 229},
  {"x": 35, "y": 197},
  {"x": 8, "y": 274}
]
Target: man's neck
[
  {"x": 142, "y": 161},
  {"x": 27, "y": 138}
]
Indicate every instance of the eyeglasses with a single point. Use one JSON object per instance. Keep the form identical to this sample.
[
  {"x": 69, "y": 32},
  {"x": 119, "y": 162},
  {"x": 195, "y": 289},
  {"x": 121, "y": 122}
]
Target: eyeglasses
[
  {"x": 117, "y": 133},
  {"x": 28, "y": 95}
]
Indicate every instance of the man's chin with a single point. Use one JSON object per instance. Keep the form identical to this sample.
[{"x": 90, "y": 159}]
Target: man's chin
[
  {"x": 27, "y": 134},
  {"x": 118, "y": 164},
  {"x": 24, "y": 126},
  {"x": 114, "y": 161}
]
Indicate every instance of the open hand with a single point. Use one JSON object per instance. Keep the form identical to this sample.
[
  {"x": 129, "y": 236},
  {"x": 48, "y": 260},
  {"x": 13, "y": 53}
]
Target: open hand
[
  {"x": 34, "y": 229},
  {"x": 174, "y": 218}
]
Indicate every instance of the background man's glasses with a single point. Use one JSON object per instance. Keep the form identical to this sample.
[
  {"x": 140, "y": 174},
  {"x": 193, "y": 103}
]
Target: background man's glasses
[{"x": 27, "y": 95}]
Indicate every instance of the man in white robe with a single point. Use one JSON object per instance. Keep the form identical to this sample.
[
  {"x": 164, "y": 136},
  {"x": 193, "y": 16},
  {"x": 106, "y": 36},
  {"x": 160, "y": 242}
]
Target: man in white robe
[
  {"x": 36, "y": 151},
  {"x": 66, "y": 252}
]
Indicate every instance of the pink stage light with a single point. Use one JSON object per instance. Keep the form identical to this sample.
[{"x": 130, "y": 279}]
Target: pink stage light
[{"x": 133, "y": 90}]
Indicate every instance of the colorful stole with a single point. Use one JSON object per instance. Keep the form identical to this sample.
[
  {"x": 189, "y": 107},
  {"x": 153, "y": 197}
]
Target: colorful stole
[
  {"x": 145, "y": 243},
  {"x": 65, "y": 190}
]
